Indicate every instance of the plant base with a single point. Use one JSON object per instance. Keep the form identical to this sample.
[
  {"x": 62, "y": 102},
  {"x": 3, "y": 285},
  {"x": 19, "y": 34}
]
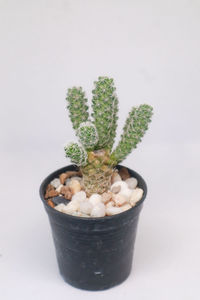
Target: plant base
[{"x": 96, "y": 180}]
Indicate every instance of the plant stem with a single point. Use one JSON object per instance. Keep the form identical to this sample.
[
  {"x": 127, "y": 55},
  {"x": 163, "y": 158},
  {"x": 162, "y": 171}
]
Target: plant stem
[{"x": 97, "y": 173}]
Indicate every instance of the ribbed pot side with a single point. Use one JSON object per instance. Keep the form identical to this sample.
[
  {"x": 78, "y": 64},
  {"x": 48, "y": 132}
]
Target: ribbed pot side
[{"x": 94, "y": 253}]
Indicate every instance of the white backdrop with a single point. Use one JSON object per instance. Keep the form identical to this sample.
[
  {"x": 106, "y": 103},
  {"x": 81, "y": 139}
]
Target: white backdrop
[{"x": 152, "y": 50}]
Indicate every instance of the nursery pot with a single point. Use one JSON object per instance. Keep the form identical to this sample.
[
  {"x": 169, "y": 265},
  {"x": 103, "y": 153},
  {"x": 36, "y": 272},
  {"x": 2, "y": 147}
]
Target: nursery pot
[{"x": 94, "y": 253}]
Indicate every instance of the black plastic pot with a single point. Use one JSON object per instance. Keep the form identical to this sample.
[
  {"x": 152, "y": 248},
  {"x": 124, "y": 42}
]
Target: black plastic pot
[{"x": 94, "y": 253}]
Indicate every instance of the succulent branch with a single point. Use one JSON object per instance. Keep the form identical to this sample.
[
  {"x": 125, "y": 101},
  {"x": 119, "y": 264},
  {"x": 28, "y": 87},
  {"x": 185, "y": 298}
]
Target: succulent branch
[
  {"x": 113, "y": 128},
  {"x": 77, "y": 106},
  {"x": 76, "y": 153},
  {"x": 93, "y": 155},
  {"x": 105, "y": 108},
  {"x": 87, "y": 134},
  {"x": 133, "y": 131}
]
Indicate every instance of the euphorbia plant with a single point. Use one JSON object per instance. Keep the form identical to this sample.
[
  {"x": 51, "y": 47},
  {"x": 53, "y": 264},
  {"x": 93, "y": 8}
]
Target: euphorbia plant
[{"x": 94, "y": 154}]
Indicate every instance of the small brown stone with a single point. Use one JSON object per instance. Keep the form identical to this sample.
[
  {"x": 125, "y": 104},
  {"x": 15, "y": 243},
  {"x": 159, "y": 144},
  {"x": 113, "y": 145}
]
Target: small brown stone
[
  {"x": 50, "y": 189},
  {"x": 50, "y": 203},
  {"x": 74, "y": 173},
  {"x": 64, "y": 189},
  {"x": 68, "y": 195},
  {"x": 66, "y": 192},
  {"x": 63, "y": 177},
  {"x": 123, "y": 172},
  {"x": 69, "y": 174},
  {"x": 52, "y": 193}
]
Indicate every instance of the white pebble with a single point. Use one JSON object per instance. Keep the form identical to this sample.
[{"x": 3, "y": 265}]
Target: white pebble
[
  {"x": 59, "y": 188},
  {"x": 132, "y": 182},
  {"x": 80, "y": 196},
  {"x": 76, "y": 214},
  {"x": 68, "y": 180},
  {"x": 55, "y": 183},
  {"x": 71, "y": 207},
  {"x": 98, "y": 210},
  {"x": 106, "y": 197},
  {"x": 126, "y": 193},
  {"x": 86, "y": 207},
  {"x": 126, "y": 207},
  {"x": 95, "y": 199},
  {"x": 60, "y": 207},
  {"x": 110, "y": 211},
  {"x": 136, "y": 196},
  {"x": 74, "y": 186},
  {"x": 80, "y": 181},
  {"x": 110, "y": 204},
  {"x": 77, "y": 178},
  {"x": 119, "y": 199},
  {"x": 116, "y": 177},
  {"x": 84, "y": 215},
  {"x": 121, "y": 184}
]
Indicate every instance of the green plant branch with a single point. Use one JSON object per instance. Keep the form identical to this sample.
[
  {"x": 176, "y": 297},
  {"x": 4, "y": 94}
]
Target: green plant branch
[
  {"x": 76, "y": 153},
  {"x": 133, "y": 131},
  {"x": 105, "y": 108},
  {"x": 87, "y": 134},
  {"x": 77, "y": 106}
]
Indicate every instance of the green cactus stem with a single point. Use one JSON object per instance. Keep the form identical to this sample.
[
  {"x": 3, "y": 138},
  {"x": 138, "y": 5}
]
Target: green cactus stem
[
  {"x": 105, "y": 108},
  {"x": 76, "y": 153},
  {"x": 87, "y": 134},
  {"x": 77, "y": 106},
  {"x": 113, "y": 127},
  {"x": 133, "y": 131}
]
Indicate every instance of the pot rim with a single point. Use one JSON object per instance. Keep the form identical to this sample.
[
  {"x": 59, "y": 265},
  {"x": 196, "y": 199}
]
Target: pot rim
[{"x": 47, "y": 180}]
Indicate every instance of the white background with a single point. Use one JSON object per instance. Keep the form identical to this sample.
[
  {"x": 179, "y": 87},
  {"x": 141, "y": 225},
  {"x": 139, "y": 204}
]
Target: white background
[{"x": 152, "y": 50}]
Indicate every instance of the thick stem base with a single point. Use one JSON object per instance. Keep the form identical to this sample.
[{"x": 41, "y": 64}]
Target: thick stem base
[{"x": 97, "y": 180}]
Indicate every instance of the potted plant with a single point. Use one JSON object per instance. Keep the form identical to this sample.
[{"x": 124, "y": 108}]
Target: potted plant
[{"x": 93, "y": 205}]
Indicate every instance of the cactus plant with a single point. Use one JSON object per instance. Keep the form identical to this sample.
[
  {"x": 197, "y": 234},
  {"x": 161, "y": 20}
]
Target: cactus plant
[{"x": 94, "y": 155}]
